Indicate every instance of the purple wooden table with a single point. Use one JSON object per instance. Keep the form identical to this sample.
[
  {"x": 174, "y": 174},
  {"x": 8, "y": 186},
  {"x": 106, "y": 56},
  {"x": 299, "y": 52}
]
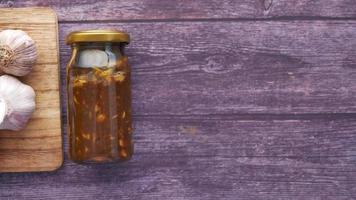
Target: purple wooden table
[{"x": 233, "y": 99}]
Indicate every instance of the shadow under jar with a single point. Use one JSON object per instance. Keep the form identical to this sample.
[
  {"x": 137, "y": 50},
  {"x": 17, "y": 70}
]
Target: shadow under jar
[{"x": 99, "y": 97}]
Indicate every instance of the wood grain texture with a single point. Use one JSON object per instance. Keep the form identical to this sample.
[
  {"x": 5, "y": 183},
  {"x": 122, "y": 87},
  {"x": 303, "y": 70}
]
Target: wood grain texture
[
  {"x": 39, "y": 146},
  {"x": 79, "y": 10},
  {"x": 212, "y": 158},
  {"x": 243, "y": 99},
  {"x": 198, "y": 68}
]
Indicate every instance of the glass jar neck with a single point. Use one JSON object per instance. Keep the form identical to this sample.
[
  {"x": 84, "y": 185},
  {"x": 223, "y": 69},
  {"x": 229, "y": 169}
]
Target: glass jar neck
[
  {"x": 97, "y": 54},
  {"x": 105, "y": 46}
]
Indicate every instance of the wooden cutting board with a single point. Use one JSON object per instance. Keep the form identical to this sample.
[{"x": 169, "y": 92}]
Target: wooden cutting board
[{"x": 39, "y": 146}]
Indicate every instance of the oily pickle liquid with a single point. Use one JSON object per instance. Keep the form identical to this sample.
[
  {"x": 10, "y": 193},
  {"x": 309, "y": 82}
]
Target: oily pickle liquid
[{"x": 99, "y": 113}]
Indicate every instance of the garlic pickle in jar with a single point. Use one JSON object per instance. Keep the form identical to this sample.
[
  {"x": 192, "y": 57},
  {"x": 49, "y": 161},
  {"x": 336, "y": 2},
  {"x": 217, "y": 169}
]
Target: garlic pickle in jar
[{"x": 99, "y": 97}]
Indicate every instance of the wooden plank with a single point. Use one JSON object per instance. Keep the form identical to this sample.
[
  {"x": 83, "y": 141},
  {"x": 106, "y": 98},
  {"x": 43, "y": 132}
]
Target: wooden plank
[
  {"x": 209, "y": 158},
  {"x": 282, "y": 67},
  {"x": 39, "y": 15},
  {"x": 39, "y": 146},
  {"x": 208, "y": 74},
  {"x": 78, "y": 10},
  {"x": 43, "y": 84}
]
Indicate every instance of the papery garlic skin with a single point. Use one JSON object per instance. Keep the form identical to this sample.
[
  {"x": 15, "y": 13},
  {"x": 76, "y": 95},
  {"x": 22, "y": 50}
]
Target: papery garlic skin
[
  {"x": 17, "y": 103},
  {"x": 3, "y": 110},
  {"x": 18, "y": 52}
]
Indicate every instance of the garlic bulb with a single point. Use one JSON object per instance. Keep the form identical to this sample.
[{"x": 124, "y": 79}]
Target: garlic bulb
[
  {"x": 18, "y": 52},
  {"x": 17, "y": 103}
]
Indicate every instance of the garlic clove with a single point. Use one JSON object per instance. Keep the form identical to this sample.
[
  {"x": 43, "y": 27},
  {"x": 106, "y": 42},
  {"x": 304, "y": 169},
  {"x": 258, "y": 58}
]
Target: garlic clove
[
  {"x": 93, "y": 58},
  {"x": 18, "y": 52},
  {"x": 17, "y": 103},
  {"x": 111, "y": 56}
]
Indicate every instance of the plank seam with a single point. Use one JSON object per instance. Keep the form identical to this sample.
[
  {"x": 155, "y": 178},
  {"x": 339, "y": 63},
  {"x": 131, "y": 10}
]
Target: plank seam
[
  {"x": 251, "y": 117},
  {"x": 283, "y": 18}
]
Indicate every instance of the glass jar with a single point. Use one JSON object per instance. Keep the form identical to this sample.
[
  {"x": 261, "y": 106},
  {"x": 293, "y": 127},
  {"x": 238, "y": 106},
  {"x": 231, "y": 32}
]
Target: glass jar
[{"x": 99, "y": 97}]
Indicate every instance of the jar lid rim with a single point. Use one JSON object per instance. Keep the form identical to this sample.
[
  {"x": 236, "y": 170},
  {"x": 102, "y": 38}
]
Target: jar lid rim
[{"x": 98, "y": 36}]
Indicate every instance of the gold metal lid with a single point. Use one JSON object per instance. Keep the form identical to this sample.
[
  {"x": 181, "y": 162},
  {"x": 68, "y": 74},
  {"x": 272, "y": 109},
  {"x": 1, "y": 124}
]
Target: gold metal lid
[{"x": 98, "y": 36}]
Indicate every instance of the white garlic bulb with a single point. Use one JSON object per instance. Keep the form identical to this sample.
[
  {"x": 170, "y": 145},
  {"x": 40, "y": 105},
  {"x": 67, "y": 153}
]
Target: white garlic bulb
[
  {"x": 18, "y": 52},
  {"x": 17, "y": 103}
]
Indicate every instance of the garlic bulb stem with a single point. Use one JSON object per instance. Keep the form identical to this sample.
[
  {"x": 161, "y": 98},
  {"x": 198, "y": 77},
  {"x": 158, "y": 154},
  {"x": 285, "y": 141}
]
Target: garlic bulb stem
[
  {"x": 18, "y": 52},
  {"x": 6, "y": 56}
]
